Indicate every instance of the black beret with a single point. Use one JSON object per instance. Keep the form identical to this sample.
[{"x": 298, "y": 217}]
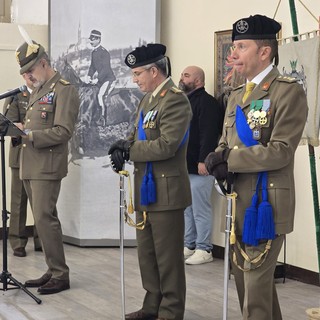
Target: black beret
[
  {"x": 255, "y": 27},
  {"x": 144, "y": 55}
]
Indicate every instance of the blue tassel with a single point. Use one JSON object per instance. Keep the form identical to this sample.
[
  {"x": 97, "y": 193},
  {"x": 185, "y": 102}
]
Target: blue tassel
[
  {"x": 144, "y": 191},
  {"x": 152, "y": 195},
  {"x": 250, "y": 223},
  {"x": 265, "y": 222}
]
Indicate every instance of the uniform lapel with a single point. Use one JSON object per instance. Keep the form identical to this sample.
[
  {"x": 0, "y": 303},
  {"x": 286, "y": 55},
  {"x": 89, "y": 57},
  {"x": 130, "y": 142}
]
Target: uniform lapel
[
  {"x": 155, "y": 100},
  {"x": 261, "y": 90},
  {"x": 37, "y": 94}
]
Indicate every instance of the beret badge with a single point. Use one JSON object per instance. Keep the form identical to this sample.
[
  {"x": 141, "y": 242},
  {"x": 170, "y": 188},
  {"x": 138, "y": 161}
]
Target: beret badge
[
  {"x": 131, "y": 59},
  {"x": 242, "y": 26}
]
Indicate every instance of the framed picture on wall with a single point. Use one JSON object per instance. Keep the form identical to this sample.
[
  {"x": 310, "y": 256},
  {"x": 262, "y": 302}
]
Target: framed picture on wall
[{"x": 222, "y": 47}]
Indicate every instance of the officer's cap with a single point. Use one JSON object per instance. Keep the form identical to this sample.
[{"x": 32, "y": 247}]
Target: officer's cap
[
  {"x": 255, "y": 27},
  {"x": 28, "y": 54},
  {"x": 94, "y": 34},
  {"x": 144, "y": 55}
]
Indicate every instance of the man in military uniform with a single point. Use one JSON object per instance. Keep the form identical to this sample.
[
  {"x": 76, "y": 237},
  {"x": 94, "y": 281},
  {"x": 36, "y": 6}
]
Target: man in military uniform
[
  {"x": 158, "y": 149},
  {"x": 51, "y": 115},
  {"x": 14, "y": 109},
  {"x": 264, "y": 144},
  {"x": 100, "y": 65}
]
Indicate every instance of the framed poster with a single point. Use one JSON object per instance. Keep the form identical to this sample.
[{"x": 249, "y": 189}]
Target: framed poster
[
  {"x": 88, "y": 43},
  {"x": 222, "y": 46}
]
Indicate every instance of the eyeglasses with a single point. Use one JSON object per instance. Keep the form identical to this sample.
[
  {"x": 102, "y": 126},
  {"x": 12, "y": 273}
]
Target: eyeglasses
[{"x": 138, "y": 73}]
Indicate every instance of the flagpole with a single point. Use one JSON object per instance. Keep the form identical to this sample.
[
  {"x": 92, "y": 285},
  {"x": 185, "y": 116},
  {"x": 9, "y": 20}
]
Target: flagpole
[{"x": 311, "y": 150}]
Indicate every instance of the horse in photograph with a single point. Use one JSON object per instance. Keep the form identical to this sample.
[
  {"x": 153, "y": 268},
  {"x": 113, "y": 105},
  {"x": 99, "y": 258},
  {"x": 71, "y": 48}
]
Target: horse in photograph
[{"x": 92, "y": 138}]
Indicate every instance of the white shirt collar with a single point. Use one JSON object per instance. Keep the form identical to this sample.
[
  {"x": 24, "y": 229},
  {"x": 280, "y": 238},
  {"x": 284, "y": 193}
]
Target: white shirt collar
[{"x": 258, "y": 78}]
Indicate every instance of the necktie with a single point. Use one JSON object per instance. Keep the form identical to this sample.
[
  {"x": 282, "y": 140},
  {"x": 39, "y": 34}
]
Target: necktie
[{"x": 249, "y": 87}]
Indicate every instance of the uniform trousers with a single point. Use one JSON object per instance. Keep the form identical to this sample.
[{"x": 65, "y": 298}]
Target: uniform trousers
[
  {"x": 43, "y": 196},
  {"x": 198, "y": 216},
  {"x": 18, "y": 214},
  {"x": 256, "y": 287},
  {"x": 161, "y": 261}
]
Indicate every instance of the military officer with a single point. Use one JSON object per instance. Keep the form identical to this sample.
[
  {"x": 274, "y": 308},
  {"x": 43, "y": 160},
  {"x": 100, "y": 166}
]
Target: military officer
[
  {"x": 14, "y": 109},
  {"x": 100, "y": 65},
  {"x": 51, "y": 115},
  {"x": 158, "y": 149},
  {"x": 262, "y": 130}
]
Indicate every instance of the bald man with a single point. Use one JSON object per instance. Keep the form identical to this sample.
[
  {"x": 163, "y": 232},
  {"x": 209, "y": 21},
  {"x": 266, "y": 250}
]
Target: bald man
[{"x": 205, "y": 130}]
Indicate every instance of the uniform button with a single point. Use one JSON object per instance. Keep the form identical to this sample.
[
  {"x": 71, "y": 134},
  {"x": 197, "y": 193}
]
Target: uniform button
[
  {"x": 30, "y": 108},
  {"x": 162, "y": 176},
  {"x": 28, "y": 120},
  {"x": 235, "y": 147},
  {"x": 50, "y": 150},
  {"x": 44, "y": 108},
  {"x": 271, "y": 185},
  {"x": 24, "y": 145},
  {"x": 225, "y": 123}
]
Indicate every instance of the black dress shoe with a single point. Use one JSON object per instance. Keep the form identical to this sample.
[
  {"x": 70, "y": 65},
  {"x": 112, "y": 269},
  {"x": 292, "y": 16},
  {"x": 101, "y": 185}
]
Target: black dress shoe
[
  {"x": 38, "y": 249},
  {"x": 54, "y": 286},
  {"x": 19, "y": 252},
  {"x": 38, "y": 282},
  {"x": 140, "y": 315}
]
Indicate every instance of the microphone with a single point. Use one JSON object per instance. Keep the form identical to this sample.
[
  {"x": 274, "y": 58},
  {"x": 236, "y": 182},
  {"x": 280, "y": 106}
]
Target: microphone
[{"x": 13, "y": 92}]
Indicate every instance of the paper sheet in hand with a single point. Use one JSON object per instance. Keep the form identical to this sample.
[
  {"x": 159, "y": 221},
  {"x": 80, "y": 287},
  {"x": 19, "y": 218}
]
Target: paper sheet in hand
[{"x": 8, "y": 128}]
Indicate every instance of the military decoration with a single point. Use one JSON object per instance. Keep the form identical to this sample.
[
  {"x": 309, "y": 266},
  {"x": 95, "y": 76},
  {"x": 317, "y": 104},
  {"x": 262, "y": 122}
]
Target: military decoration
[
  {"x": 47, "y": 99},
  {"x": 257, "y": 117},
  {"x": 149, "y": 119}
]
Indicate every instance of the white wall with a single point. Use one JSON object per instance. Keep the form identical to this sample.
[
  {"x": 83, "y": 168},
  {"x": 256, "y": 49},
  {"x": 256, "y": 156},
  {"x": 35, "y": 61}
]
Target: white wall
[{"x": 187, "y": 28}]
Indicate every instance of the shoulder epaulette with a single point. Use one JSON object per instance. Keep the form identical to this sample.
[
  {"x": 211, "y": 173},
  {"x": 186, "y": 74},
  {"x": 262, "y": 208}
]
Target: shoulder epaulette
[
  {"x": 286, "y": 79},
  {"x": 64, "y": 82},
  {"x": 175, "y": 90}
]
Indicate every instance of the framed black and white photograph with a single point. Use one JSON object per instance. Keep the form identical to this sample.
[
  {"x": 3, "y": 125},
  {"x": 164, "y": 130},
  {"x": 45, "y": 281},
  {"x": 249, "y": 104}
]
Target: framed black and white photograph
[{"x": 88, "y": 43}]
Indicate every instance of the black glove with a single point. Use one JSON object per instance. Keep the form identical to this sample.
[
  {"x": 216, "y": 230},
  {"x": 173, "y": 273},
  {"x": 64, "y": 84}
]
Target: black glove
[
  {"x": 117, "y": 160},
  {"x": 123, "y": 146},
  {"x": 216, "y": 164}
]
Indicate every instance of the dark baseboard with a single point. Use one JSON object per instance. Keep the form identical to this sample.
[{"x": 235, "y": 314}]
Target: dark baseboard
[{"x": 282, "y": 270}]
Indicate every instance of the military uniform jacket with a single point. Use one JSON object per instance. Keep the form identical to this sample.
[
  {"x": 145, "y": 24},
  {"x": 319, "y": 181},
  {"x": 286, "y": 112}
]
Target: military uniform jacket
[
  {"x": 280, "y": 136},
  {"x": 172, "y": 114},
  {"x": 15, "y": 109},
  {"x": 100, "y": 63},
  {"x": 51, "y": 116}
]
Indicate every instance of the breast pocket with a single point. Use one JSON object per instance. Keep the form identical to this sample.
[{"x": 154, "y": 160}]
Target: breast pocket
[
  {"x": 46, "y": 114},
  {"x": 230, "y": 129}
]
